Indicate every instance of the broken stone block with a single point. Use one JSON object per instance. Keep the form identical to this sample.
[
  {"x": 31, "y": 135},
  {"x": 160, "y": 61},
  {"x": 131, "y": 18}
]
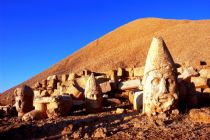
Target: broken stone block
[
  {"x": 34, "y": 115},
  {"x": 105, "y": 87},
  {"x": 138, "y": 101},
  {"x": 205, "y": 73},
  {"x": 7, "y": 111},
  {"x": 37, "y": 86},
  {"x": 51, "y": 84},
  {"x": 188, "y": 73},
  {"x": 37, "y": 93},
  {"x": 130, "y": 96},
  {"x": 72, "y": 76},
  {"x": 93, "y": 96},
  {"x": 129, "y": 72},
  {"x": 84, "y": 72},
  {"x": 75, "y": 92},
  {"x": 120, "y": 72},
  {"x": 44, "y": 93},
  {"x": 200, "y": 115},
  {"x": 131, "y": 84},
  {"x": 59, "y": 106},
  {"x": 58, "y": 85},
  {"x": 199, "y": 82},
  {"x": 64, "y": 78},
  {"x": 113, "y": 101},
  {"x": 207, "y": 90},
  {"x": 44, "y": 83},
  {"x": 23, "y": 99},
  {"x": 101, "y": 79},
  {"x": 120, "y": 111},
  {"x": 100, "y": 133},
  {"x": 160, "y": 85},
  {"x": 112, "y": 74},
  {"x": 138, "y": 72},
  {"x": 53, "y": 77}
]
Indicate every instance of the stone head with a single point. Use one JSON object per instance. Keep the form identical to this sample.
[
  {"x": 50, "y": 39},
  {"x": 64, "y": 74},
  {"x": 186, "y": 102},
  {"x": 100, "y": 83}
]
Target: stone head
[{"x": 160, "y": 86}]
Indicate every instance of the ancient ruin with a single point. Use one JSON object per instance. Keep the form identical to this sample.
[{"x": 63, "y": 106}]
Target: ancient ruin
[
  {"x": 160, "y": 89},
  {"x": 160, "y": 79}
]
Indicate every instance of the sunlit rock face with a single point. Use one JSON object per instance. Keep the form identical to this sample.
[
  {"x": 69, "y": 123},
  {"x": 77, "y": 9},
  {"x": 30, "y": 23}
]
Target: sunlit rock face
[
  {"x": 23, "y": 100},
  {"x": 93, "y": 96},
  {"x": 160, "y": 85}
]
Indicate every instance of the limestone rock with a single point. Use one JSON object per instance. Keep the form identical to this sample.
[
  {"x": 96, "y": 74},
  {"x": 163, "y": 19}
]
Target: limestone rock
[
  {"x": 207, "y": 90},
  {"x": 59, "y": 106},
  {"x": 129, "y": 72},
  {"x": 23, "y": 99},
  {"x": 72, "y": 76},
  {"x": 120, "y": 111},
  {"x": 138, "y": 101},
  {"x": 100, "y": 133},
  {"x": 40, "y": 106},
  {"x": 200, "y": 115},
  {"x": 34, "y": 115},
  {"x": 52, "y": 77},
  {"x": 105, "y": 87},
  {"x": 51, "y": 84},
  {"x": 7, "y": 111},
  {"x": 160, "y": 85},
  {"x": 199, "y": 82},
  {"x": 120, "y": 72},
  {"x": 205, "y": 73},
  {"x": 64, "y": 77},
  {"x": 75, "y": 92},
  {"x": 44, "y": 84},
  {"x": 93, "y": 96},
  {"x": 37, "y": 93},
  {"x": 113, "y": 101},
  {"x": 131, "y": 96},
  {"x": 188, "y": 73},
  {"x": 139, "y": 71},
  {"x": 130, "y": 84}
]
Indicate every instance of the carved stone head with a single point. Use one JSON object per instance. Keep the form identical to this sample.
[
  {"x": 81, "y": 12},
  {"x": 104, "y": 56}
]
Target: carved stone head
[
  {"x": 160, "y": 85},
  {"x": 23, "y": 100},
  {"x": 93, "y": 95}
]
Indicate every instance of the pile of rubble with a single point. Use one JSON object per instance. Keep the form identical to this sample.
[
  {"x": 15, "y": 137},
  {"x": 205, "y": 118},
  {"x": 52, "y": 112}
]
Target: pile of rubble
[{"x": 161, "y": 88}]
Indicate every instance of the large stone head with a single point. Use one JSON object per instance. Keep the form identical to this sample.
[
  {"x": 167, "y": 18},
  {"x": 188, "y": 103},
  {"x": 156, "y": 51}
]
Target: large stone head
[
  {"x": 93, "y": 95},
  {"x": 23, "y": 100},
  {"x": 160, "y": 85}
]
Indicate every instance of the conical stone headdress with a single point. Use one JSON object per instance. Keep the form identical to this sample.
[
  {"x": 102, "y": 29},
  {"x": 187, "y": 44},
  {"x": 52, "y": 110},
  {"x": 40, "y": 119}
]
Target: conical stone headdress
[{"x": 159, "y": 57}]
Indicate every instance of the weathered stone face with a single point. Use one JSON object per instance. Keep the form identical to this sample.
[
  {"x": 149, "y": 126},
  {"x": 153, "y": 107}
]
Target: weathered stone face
[
  {"x": 160, "y": 86},
  {"x": 23, "y": 100},
  {"x": 93, "y": 95}
]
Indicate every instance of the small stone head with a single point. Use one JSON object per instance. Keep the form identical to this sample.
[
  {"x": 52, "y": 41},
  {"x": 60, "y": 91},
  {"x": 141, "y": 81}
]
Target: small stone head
[
  {"x": 93, "y": 94},
  {"x": 23, "y": 100},
  {"x": 160, "y": 86}
]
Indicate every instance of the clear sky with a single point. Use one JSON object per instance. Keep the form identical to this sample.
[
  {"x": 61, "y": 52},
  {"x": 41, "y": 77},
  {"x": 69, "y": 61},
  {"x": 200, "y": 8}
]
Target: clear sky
[{"x": 35, "y": 34}]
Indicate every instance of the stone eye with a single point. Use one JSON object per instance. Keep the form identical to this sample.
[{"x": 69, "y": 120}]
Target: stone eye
[{"x": 155, "y": 81}]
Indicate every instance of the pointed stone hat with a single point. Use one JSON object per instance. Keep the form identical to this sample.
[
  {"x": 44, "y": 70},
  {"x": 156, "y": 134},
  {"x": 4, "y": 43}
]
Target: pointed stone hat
[
  {"x": 91, "y": 86},
  {"x": 159, "y": 57}
]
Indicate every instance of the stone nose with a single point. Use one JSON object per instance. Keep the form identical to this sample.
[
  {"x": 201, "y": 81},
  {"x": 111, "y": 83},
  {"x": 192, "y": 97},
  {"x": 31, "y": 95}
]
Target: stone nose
[{"x": 163, "y": 86}]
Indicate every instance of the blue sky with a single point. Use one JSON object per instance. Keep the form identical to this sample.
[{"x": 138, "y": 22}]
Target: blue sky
[{"x": 35, "y": 34}]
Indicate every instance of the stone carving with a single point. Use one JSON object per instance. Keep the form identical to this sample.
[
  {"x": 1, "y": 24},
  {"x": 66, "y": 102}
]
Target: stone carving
[
  {"x": 23, "y": 99},
  {"x": 93, "y": 96},
  {"x": 59, "y": 106},
  {"x": 160, "y": 84}
]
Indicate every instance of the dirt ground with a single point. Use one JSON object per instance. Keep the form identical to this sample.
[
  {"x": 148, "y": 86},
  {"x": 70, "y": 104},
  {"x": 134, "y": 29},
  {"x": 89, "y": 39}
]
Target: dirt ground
[{"x": 106, "y": 125}]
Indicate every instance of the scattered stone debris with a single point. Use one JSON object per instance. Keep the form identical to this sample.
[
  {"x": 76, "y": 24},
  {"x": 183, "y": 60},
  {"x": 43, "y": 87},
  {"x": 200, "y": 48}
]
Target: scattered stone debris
[
  {"x": 100, "y": 133},
  {"x": 200, "y": 115},
  {"x": 120, "y": 111},
  {"x": 137, "y": 102}
]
